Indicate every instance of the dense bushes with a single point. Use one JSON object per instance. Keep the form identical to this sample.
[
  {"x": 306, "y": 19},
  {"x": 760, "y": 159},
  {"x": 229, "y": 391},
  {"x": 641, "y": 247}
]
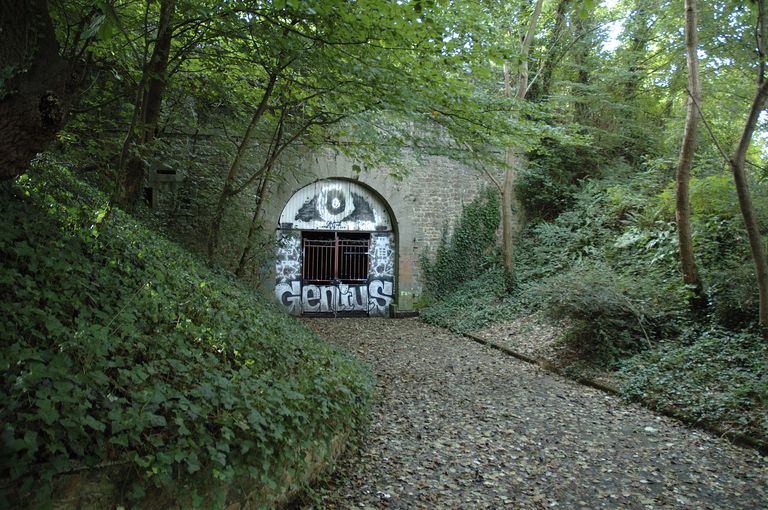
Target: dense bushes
[
  {"x": 472, "y": 305},
  {"x": 609, "y": 266},
  {"x": 607, "y": 269},
  {"x": 609, "y": 314},
  {"x": 119, "y": 346}
]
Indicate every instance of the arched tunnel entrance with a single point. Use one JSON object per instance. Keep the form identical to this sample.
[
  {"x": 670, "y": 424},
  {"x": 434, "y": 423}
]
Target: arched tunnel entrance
[{"x": 336, "y": 251}]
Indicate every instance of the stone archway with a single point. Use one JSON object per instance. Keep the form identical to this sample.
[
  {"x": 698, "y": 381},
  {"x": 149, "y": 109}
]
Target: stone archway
[{"x": 336, "y": 251}]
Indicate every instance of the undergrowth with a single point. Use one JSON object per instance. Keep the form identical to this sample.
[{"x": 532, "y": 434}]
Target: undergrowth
[
  {"x": 720, "y": 379},
  {"x": 119, "y": 346},
  {"x": 606, "y": 269}
]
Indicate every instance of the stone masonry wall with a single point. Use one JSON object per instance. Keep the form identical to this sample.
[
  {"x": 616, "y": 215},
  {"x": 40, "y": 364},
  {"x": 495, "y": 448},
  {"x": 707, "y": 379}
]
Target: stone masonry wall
[{"x": 430, "y": 196}]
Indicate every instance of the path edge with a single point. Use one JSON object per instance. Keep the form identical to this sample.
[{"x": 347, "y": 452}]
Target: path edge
[{"x": 737, "y": 439}]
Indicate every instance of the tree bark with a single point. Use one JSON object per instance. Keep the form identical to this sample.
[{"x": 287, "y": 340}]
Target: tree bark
[
  {"x": 557, "y": 48},
  {"x": 691, "y": 278},
  {"x": 254, "y": 227},
  {"x": 35, "y": 100},
  {"x": 582, "y": 110},
  {"x": 149, "y": 100},
  {"x": 234, "y": 168},
  {"x": 737, "y": 164},
  {"x": 509, "y": 226}
]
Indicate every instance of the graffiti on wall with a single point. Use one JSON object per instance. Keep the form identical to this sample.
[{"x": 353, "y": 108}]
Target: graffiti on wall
[
  {"x": 335, "y": 206},
  {"x": 374, "y": 297},
  {"x": 288, "y": 264},
  {"x": 334, "y": 298},
  {"x": 288, "y": 271},
  {"x": 381, "y": 274}
]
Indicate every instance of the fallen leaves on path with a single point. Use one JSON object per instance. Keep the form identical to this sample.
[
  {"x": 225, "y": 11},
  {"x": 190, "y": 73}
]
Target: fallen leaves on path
[{"x": 459, "y": 425}]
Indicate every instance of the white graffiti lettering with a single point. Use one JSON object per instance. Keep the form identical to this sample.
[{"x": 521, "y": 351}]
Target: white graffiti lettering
[
  {"x": 332, "y": 298},
  {"x": 288, "y": 263},
  {"x": 381, "y": 296},
  {"x": 289, "y": 296}
]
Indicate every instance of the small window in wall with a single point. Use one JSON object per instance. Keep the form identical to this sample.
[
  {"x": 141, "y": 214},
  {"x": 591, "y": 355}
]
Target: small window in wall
[
  {"x": 335, "y": 257},
  {"x": 149, "y": 196}
]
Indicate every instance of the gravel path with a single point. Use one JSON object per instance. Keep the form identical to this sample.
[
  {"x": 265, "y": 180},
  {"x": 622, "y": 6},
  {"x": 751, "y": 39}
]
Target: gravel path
[{"x": 458, "y": 425}]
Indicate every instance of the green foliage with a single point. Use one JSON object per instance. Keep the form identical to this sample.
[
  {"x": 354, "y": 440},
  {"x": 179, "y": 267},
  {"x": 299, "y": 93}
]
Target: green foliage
[
  {"x": 609, "y": 314},
  {"x": 721, "y": 245},
  {"x": 718, "y": 378},
  {"x": 579, "y": 233},
  {"x": 120, "y": 346},
  {"x": 546, "y": 187},
  {"x": 472, "y": 305},
  {"x": 732, "y": 293},
  {"x": 468, "y": 250}
]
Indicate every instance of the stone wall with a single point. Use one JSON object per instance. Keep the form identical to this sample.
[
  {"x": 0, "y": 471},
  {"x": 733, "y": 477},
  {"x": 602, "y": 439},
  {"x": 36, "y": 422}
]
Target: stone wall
[{"x": 430, "y": 196}]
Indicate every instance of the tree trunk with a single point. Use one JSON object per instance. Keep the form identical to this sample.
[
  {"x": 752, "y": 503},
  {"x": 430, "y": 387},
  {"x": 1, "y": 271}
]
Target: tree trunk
[
  {"x": 637, "y": 25},
  {"x": 522, "y": 81},
  {"x": 508, "y": 199},
  {"x": 234, "y": 169},
  {"x": 507, "y": 222},
  {"x": 35, "y": 100},
  {"x": 556, "y": 49},
  {"x": 254, "y": 227},
  {"x": 149, "y": 100},
  {"x": 581, "y": 107},
  {"x": 691, "y": 278},
  {"x": 737, "y": 164}
]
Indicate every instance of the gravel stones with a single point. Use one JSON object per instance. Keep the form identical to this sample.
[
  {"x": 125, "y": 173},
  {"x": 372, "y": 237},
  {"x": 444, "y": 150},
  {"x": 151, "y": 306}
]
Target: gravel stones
[{"x": 462, "y": 426}]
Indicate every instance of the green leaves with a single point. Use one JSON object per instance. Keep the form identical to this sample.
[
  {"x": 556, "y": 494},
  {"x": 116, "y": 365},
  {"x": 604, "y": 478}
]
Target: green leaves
[
  {"x": 124, "y": 347},
  {"x": 468, "y": 250}
]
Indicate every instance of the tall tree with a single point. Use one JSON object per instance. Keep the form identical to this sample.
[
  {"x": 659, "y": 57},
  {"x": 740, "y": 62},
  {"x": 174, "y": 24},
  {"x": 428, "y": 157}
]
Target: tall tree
[
  {"x": 36, "y": 84},
  {"x": 149, "y": 96},
  {"x": 738, "y": 162},
  {"x": 510, "y": 206},
  {"x": 685, "y": 162}
]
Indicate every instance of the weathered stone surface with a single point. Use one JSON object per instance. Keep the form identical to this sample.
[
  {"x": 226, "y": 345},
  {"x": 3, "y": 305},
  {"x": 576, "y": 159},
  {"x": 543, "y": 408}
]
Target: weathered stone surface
[{"x": 429, "y": 197}]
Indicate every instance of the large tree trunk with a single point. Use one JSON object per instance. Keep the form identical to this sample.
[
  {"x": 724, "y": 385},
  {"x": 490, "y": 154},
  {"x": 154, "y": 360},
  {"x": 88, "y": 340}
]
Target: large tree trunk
[
  {"x": 685, "y": 162},
  {"x": 737, "y": 164},
  {"x": 35, "y": 100},
  {"x": 509, "y": 225},
  {"x": 149, "y": 100}
]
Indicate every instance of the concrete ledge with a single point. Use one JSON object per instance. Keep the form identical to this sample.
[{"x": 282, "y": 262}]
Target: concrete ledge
[
  {"x": 106, "y": 485},
  {"x": 396, "y": 313}
]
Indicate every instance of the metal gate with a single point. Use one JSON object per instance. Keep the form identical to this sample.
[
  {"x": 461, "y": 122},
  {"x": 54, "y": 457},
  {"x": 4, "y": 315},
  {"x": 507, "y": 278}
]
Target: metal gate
[{"x": 334, "y": 272}]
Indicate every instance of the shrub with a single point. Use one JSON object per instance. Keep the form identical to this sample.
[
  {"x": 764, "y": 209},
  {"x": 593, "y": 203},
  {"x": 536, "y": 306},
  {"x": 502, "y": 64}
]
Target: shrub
[
  {"x": 610, "y": 314},
  {"x": 473, "y": 305},
  {"x": 581, "y": 233},
  {"x": 719, "y": 377},
  {"x": 732, "y": 293},
  {"x": 120, "y": 346}
]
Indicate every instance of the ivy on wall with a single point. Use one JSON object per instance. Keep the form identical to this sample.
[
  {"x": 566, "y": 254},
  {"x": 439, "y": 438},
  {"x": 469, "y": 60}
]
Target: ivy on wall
[{"x": 468, "y": 250}]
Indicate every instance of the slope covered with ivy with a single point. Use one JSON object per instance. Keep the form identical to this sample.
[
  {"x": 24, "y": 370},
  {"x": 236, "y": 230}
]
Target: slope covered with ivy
[{"x": 120, "y": 347}]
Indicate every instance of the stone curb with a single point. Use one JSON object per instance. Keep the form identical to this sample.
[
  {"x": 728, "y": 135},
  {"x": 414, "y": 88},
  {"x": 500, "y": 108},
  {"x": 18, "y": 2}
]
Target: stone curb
[{"x": 738, "y": 439}]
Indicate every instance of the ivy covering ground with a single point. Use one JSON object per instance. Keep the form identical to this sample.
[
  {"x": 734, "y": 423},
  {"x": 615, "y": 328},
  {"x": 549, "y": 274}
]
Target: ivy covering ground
[{"x": 120, "y": 346}]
